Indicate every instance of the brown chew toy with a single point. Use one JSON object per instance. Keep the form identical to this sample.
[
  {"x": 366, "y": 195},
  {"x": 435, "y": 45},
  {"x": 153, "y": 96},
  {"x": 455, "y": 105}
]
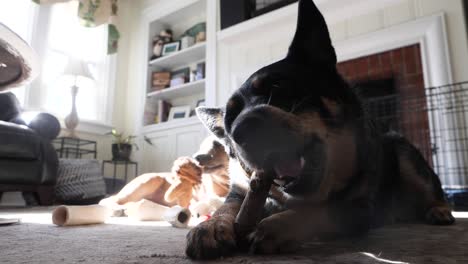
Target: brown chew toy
[{"x": 252, "y": 207}]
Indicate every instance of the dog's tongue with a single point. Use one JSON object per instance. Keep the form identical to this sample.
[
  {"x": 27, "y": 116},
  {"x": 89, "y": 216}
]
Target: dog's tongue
[{"x": 289, "y": 167}]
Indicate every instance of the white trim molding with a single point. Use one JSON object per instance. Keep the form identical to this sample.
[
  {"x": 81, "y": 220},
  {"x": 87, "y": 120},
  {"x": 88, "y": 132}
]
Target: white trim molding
[
  {"x": 111, "y": 77},
  {"x": 429, "y": 32},
  {"x": 211, "y": 54},
  {"x": 94, "y": 127},
  {"x": 90, "y": 127}
]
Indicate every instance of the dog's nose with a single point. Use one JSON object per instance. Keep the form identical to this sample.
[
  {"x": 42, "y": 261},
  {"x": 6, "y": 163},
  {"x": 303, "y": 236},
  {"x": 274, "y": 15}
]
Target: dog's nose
[
  {"x": 260, "y": 132},
  {"x": 203, "y": 158},
  {"x": 247, "y": 130}
]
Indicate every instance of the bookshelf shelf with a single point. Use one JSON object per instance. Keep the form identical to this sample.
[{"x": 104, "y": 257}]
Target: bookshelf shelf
[
  {"x": 171, "y": 124},
  {"x": 185, "y": 89},
  {"x": 180, "y": 58}
]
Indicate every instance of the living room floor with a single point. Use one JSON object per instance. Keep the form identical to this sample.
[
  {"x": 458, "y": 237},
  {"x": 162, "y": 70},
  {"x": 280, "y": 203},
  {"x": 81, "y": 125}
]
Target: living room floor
[{"x": 121, "y": 240}]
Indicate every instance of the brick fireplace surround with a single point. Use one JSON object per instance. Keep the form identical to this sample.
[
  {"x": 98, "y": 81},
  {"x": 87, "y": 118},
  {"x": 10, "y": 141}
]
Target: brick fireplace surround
[{"x": 404, "y": 66}]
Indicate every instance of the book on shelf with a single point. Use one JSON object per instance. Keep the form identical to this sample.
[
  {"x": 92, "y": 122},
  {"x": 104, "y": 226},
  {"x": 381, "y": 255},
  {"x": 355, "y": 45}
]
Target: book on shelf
[
  {"x": 163, "y": 110},
  {"x": 150, "y": 114}
]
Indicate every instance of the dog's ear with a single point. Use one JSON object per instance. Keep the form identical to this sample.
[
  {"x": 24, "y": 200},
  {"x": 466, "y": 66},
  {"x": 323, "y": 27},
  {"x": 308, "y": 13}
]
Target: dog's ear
[
  {"x": 212, "y": 118},
  {"x": 311, "y": 43}
]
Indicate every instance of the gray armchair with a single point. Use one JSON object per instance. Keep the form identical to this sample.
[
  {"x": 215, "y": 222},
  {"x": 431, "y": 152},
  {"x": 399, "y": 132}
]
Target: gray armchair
[{"x": 28, "y": 161}]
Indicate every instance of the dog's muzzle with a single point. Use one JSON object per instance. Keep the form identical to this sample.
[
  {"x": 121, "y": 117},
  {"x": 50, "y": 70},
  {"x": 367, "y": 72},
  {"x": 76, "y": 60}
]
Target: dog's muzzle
[{"x": 267, "y": 139}]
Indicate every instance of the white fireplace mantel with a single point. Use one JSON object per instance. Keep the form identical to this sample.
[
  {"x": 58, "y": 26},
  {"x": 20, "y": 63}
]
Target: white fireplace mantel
[
  {"x": 429, "y": 32},
  {"x": 334, "y": 11}
]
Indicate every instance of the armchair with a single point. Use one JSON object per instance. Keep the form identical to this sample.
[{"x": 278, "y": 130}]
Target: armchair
[{"x": 28, "y": 161}]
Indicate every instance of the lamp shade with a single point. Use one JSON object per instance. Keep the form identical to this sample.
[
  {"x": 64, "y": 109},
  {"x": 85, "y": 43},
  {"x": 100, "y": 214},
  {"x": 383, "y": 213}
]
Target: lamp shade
[
  {"x": 18, "y": 62},
  {"x": 78, "y": 68}
]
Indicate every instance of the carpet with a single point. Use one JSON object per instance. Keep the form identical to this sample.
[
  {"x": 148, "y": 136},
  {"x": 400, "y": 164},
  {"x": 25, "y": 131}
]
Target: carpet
[{"x": 122, "y": 240}]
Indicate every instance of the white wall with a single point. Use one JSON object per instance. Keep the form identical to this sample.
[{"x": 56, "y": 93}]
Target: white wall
[
  {"x": 127, "y": 65},
  {"x": 124, "y": 108},
  {"x": 147, "y": 3}
]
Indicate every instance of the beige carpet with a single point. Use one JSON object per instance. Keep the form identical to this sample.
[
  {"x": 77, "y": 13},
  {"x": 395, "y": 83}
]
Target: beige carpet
[{"x": 36, "y": 240}]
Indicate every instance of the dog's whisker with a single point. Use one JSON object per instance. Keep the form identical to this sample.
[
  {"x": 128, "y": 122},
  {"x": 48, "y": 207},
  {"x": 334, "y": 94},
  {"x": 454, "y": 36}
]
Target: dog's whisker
[{"x": 269, "y": 99}]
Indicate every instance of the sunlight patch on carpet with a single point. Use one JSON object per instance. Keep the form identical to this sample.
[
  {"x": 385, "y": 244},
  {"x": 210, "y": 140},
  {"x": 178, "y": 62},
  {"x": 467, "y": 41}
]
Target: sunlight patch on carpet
[
  {"x": 460, "y": 214},
  {"x": 33, "y": 218},
  {"x": 382, "y": 260},
  {"x": 45, "y": 218}
]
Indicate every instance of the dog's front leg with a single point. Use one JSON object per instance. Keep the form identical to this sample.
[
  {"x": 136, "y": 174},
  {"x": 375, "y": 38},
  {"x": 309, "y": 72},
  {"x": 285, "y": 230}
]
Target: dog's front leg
[
  {"x": 284, "y": 232},
  {"x": 215, "y": 237}
]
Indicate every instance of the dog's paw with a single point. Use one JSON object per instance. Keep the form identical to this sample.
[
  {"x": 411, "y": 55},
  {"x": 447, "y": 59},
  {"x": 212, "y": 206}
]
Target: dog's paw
[
  {"x": 271, "y": 237},
  {"x": 440, "y": 215},
  {"x": 211, "y": 239}
]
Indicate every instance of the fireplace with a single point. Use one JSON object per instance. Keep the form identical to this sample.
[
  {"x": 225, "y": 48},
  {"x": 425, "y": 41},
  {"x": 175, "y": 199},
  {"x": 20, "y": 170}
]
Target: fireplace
[{"x": 434, "y": 120}]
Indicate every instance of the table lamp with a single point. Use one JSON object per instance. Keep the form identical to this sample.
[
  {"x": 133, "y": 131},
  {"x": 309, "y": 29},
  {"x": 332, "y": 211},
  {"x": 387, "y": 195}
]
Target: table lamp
[{"x": 76, "y": 69}]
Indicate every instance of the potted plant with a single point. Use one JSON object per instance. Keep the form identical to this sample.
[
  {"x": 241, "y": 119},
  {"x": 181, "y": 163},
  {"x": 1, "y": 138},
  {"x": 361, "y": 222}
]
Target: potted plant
[{"x": 122, "y": 145}]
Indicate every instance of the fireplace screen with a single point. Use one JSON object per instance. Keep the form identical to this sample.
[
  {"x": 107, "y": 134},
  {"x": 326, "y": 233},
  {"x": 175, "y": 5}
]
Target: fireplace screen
[{"x": 435, "y": 122}]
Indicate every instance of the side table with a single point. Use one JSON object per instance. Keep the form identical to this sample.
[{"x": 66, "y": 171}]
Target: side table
[
  {"x": 116, "y": 163},
  {"x": 74, "y": 147}
]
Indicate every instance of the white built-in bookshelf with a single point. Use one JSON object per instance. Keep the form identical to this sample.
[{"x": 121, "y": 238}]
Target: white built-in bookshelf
[{"x": 158, "y": 102}]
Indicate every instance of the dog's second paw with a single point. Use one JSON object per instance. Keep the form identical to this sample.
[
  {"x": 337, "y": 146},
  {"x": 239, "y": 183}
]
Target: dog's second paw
[
  {"x": 272, "y": 237},
  {"x": 440, "y": 215},
  {"x": 211, "y": 239}
]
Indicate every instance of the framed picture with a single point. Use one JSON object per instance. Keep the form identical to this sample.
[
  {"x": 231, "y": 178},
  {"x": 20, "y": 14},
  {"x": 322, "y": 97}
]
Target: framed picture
[
  {"x": 200, "y": 74},
  {"x": 179, "y": 112},
  {"x": 184, "y": 72},
  {"x": 201, "y": 102},
  {"x": 170, "y": 48},
  {"x": 176, "y": 81}
]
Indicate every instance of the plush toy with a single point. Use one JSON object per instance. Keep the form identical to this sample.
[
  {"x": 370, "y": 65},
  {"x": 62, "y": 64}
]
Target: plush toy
[
  {"x": 198, "y": 183},
  {"x": 187, "y": 176},
  {"x": 168, "y": 189},
  {"x": 205, "y": 207}
]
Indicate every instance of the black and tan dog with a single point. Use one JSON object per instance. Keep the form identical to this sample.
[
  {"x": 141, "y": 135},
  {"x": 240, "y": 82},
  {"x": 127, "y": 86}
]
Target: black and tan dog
[{"x": 299, "y": 119}]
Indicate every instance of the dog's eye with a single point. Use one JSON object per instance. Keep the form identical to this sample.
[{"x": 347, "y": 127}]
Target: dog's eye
[
  {"x": 260, "y": 89},
  {"x": 219, "y": 132}
]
